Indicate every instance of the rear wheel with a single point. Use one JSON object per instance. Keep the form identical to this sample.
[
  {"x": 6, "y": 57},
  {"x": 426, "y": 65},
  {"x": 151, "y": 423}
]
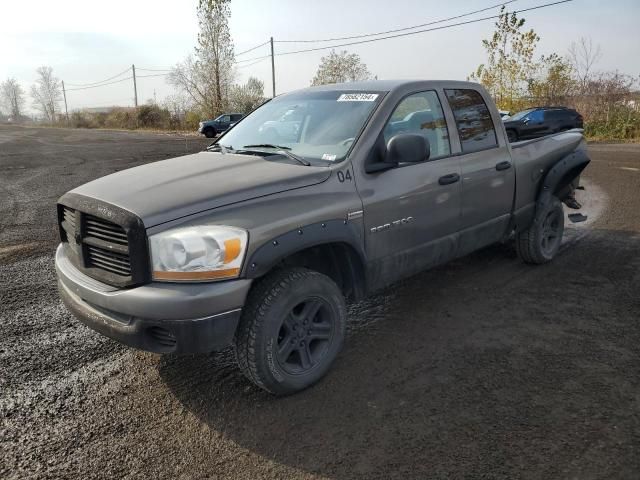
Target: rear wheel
[
  {"x": 291, "y": 330},
  {"x": 541, "y": 241},
  {"x": 512, "y": 136}
]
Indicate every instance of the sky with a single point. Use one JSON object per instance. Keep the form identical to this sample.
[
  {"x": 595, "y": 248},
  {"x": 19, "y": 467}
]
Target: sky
[{"x": 87, "y": 41}]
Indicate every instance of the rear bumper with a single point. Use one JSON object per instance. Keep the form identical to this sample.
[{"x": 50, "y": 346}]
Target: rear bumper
[{"x": 158, "y": 317}]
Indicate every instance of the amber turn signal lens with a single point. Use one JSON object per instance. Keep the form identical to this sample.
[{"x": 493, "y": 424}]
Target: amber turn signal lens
[
  {"x": 197, "y": 276},
  {"x": 232, "y": 249}
]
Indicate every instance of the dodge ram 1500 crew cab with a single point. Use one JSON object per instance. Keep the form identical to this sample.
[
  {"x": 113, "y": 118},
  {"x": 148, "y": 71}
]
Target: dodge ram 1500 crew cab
[{"x": 258, "y": 241}]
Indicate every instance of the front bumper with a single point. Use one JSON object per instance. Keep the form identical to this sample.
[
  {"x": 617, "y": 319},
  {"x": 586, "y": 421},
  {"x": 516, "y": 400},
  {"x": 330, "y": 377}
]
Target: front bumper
[{"x": 158, "y": 317}]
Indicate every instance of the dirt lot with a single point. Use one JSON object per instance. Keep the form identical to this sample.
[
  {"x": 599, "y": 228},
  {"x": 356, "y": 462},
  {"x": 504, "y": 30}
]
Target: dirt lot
[{"x": 485, "y": 368}]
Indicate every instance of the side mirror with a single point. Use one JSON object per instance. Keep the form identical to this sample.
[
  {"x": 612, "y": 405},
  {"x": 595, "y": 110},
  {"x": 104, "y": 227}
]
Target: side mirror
[
  {"x": 407, "y": 148},
  {"x": 402, "y": 148}
]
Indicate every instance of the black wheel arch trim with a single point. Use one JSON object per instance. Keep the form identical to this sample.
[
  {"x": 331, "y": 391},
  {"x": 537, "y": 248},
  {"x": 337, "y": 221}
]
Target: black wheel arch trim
[
  {"x": 561, "y": 175},
  {"x": 270, "y": 253}
]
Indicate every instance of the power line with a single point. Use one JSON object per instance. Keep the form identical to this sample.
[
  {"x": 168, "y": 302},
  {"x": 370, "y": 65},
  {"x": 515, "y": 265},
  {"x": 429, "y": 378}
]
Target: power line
[
  {"x": 101, "y": 81},
  {"x": 155, "y": 75},
  {"x": 102, "y": 85},
  {"x": 262, "y": 45},
  {"x": 251, "y": 59},
  {"x": 420, "y": 31},
  {"x": 397, "y": 29},
  {"x": 154, "y": 69},
  {"x": 253, "y": 63}
]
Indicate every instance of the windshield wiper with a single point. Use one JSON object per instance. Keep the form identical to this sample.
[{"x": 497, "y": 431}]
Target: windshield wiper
[
  {"x": 283, "y": 150},
  {"x": 267, "y": 145},
  {"x": 224, "y": 149}
]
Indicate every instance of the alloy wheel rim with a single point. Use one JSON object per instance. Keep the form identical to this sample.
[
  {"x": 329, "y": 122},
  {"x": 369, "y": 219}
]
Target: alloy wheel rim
[
  {"x": 551, "y": 232},
  {"x": 305, "y": 335}
]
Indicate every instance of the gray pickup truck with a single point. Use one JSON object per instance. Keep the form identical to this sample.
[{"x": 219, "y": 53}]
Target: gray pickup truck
[{"x": 260, "y": 240}]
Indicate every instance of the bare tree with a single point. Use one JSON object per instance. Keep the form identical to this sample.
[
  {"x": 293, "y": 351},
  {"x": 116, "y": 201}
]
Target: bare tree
[
  {"x": 207, "y": 77},
  {"x": 178, "y": 104},
  {"x": 247, "y": 97},
  {"x": 12, "y": 97},
  {"x": 340, "y": 67},
  {"x": 583, "y": 56},
  {"x": 46, "y": 93}
]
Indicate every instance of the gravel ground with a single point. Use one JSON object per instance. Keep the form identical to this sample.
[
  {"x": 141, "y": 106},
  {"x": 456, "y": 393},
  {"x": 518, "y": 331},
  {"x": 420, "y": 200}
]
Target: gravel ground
[{"x": 484, "y": 368}]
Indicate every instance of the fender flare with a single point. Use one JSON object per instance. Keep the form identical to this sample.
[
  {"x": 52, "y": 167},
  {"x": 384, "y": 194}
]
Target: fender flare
[
  {"x": 560, "y": 175},
  {"x": 270, "y": 253}
]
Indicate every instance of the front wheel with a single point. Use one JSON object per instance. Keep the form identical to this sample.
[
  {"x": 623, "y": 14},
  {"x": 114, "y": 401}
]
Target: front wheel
[
  {"x": 541, "y": 241},
  {"x": 209, "y": 132},
  {"x": 291, "y": 330}
]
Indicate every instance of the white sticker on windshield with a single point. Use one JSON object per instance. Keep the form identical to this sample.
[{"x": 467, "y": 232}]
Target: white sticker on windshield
[
  {"x": 328, "y": 156},
  {"x": 358, "y": 97}
]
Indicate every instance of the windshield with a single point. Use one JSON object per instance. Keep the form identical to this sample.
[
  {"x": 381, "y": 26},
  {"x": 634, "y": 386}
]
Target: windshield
[
  {"x": 317, "y": 126},
  {"x": 521, "y": 115}
]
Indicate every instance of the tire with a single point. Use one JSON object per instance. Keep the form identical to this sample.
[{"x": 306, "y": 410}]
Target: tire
[
  {"x": 209, "y": 132},
  {"x": 281, "y": 345},
  {"x": 541, "y": 241},
  {"x": 512, "y": 136}
]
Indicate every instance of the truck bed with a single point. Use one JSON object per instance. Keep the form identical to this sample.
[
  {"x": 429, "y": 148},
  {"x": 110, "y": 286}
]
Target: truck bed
[{"x": 534, "y": 158}]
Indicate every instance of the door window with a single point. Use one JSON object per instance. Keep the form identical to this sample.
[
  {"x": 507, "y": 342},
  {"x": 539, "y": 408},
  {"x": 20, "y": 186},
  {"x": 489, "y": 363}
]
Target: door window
[
  {"x": 421, "y": 113},
  {"x": 226, "y": 119},
  {"x": 473, "y": 120},
  {"x": 536, "y": 116}
]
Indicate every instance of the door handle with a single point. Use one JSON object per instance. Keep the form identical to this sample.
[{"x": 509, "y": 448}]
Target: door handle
[
  {"x": 449, "y": 179},
  {"x": 503, "y": 166}
]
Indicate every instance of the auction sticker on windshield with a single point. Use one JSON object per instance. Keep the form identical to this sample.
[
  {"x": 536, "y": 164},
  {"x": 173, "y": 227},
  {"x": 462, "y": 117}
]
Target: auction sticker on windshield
[{"x": 358, "y": 97}]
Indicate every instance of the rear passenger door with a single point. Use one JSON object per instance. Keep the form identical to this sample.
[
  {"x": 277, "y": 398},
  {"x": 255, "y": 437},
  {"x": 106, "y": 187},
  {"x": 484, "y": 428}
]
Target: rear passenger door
[{"x": 488, "y": 177}]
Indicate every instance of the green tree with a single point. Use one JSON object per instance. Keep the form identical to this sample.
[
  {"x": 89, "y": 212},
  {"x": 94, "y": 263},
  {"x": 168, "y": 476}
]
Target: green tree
[
  {"x": 554, "y": 82},
  {"x": 340, "y": 67},
  {"x": 510, "y": 64},
  {"x": 207, "y": 76}
]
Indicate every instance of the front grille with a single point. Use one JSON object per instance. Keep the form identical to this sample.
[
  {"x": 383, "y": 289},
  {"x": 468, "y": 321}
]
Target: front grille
[
  {"x": 69, "y": 216},
  {"x": 101, "y": 248},
  {"x": 117, "y": 263},
  {"x": 104, "y": 230}
]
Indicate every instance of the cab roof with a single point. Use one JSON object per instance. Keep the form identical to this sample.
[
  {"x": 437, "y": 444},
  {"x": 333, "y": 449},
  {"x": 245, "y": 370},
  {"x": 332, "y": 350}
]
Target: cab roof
[{"x": 390, "y": 85}]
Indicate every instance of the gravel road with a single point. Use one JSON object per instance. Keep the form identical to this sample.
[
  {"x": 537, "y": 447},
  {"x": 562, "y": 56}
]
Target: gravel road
[{"x": 484, "y": 368}]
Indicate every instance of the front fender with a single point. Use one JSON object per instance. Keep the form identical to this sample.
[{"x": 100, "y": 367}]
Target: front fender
[{"x": 269, "y": 254}]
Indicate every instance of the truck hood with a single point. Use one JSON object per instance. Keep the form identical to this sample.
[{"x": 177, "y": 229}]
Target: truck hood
[{"x": 163, "y": 191}]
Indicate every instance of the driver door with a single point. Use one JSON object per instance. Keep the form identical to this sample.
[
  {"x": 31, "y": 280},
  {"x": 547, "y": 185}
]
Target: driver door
[{"x": 412, "y": 212}]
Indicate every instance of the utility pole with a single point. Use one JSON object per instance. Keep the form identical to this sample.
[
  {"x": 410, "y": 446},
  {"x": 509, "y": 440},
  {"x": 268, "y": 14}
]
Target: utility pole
[
  {"x": 273, "y": 69},
  {"x": 135, "y": 88},
  {"x": 64, "y": 94}
]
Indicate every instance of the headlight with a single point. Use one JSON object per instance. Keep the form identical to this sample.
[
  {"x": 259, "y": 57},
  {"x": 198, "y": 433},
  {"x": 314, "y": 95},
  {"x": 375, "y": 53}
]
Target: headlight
[{"x": 198, "y": 254}]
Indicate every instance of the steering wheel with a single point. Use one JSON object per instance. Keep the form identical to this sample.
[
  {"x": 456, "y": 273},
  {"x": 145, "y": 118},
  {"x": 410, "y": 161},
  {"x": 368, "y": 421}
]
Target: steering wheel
[{"x": 347, "y": 141}]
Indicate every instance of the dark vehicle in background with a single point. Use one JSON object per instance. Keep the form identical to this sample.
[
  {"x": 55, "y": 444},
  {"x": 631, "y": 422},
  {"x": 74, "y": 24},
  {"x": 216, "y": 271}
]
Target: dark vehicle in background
[
  {"x": 539, "y": 121},
  {"x": 211, "y": 128}
]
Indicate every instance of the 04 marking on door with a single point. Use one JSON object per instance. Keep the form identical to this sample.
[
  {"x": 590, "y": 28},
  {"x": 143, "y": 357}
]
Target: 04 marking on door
[{"x": 395, "y": 223}]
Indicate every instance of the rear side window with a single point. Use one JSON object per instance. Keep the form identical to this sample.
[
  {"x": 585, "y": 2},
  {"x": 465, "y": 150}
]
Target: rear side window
[
  {"x": 421, "y": 113},
  {"x": 554, "y": 114},
  {"x": 473, "y": 120}
]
